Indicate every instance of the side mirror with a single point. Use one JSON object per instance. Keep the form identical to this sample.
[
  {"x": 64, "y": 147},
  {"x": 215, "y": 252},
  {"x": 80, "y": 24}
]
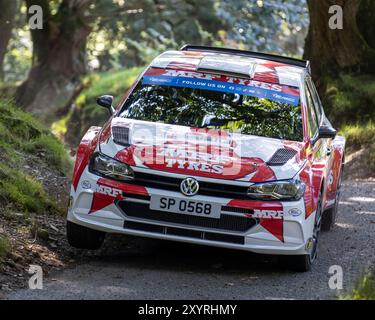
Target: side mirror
[
  {"x": 327, "y": 132},
  {"x": 106, "y": 102}
]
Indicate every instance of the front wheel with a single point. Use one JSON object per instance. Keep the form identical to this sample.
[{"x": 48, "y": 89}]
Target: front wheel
[
  {"x": 81, "y": 237},
  {"x": 330, "y": 215},
  {"x": 300, "y": 263},
  {"x": 303, "y": 263}
]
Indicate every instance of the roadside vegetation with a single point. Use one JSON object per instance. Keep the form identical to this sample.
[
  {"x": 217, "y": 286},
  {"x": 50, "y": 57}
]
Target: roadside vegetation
[
  {"x": 33, "y": 170},
  {"x": 24, "y": 142},
  {"x": 85, "y": 112},
  {"x": 5, "y": 247},
  {"x": 364, "y": 288},
  {"x": 350, "y": 104},
  {"x": 360, "y": 150}
]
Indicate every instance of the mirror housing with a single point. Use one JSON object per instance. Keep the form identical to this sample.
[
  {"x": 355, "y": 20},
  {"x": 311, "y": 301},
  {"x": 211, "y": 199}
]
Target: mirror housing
[
  {"x": 106, "y": 101},
  {"x": 326, "y": 132}
]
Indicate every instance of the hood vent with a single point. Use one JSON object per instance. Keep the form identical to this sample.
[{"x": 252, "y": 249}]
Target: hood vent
[
  {"x": 121, "y": 136},
  {"x": 281, "y": 157}
]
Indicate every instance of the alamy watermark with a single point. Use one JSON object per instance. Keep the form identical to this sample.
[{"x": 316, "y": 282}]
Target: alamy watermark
[
  {"x": 36, "y": 279},
  {"x": 336, "y": 279},
  {"x": 35, "y": 17},
  {"x": 336, "y": 21}
]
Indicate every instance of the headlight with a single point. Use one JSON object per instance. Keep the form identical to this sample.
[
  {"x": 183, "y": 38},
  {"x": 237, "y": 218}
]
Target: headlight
[
  {"x": 110, "y": 168},
  {"x": 278, "y": 190}
]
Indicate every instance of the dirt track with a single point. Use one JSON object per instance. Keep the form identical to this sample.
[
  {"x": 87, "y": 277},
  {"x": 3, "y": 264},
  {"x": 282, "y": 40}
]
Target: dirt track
[{"x": 149, "y": 269}]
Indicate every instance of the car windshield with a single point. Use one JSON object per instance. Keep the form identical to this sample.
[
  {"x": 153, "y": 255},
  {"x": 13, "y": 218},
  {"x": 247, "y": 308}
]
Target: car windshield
[{"x": 230, "y": 108}]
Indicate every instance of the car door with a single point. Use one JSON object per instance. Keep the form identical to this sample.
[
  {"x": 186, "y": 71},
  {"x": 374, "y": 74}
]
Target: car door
[
  {"x": 313, "y": 121},
  {"x": 323, "y": 158},
  {"x": 321, "y": 118}
]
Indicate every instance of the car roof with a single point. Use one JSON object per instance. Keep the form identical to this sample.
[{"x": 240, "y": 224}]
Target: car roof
[{"x": 243, "y": 64}]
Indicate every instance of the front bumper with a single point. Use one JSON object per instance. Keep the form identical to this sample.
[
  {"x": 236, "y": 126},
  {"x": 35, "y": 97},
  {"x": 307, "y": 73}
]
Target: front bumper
[{"x": 123, "y": 208}]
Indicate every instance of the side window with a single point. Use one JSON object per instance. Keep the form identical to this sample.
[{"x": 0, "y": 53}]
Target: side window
[
  {"x": 312, "y": 118},
  {"x": 316, "y": 99}
]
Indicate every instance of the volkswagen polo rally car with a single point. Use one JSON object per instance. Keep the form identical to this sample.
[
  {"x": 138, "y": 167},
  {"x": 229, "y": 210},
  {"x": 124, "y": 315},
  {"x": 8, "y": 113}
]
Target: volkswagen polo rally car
[{"x": 212, "y": 146}]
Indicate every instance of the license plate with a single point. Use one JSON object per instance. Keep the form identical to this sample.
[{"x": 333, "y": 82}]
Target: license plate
[{"x": 186, "y": 206}]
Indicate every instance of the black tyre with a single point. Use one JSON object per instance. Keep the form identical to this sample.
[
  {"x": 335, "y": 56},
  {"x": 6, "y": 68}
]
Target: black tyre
[
  {"x": 300, "y": 263},
  {"x": 84, "y": 238},
  {"x": 330, "y": 215},
  {"x": 303, "y": 263}
]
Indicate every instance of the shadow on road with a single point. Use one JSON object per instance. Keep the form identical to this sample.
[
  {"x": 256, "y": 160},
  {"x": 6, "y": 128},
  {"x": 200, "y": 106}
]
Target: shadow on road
[{"x": 175, "y": 256}]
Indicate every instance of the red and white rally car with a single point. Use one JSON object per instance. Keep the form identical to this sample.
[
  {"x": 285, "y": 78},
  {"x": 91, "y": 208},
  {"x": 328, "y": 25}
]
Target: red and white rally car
[{"x": 212, "y": 146}]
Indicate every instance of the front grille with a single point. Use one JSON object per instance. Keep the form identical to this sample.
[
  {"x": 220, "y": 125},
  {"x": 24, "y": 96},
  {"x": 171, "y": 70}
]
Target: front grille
[
  {"x": 136, "y": 196},
  {"x": 218, "y": 237},
  {"x": 205, "y": 188},
  {"x": 237, "y": 210},
  {"x": 226, "y": 222}
]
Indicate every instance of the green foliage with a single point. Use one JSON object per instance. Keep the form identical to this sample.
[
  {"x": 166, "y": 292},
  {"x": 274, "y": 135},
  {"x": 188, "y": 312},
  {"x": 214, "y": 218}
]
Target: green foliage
[
  {"x": 364, "y": 288},
  {"x": 22, "y": 140},
  {"x": 20, "y": 131},
  {"x": 130, "y": 33},
  {"x": 52, "y": 150},
  {"x": 140, "y": 29},
  {"x": 350, "y": 99},
  {"x": 359, "y": 136},
  {"x": 5, "y": 247},
  {"x": 23, "y": 192},
  {"x": 19, "y": 56},
  {"x": 114, "y": 82},
  {"x": 277, "y": 26},
  {"x": 87, "y": 113},
  {"x": 350, "y": 105}
]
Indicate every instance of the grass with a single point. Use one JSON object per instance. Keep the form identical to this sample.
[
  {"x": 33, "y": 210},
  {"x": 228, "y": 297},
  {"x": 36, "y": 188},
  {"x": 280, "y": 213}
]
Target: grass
[
  {"x": 5, "y": 247},
  {"x": 350, "y": 99},
  {"x": 24, "y": 192},
  {"x": 113, "y": 82},
  {"x": 22, "y": 138},
  {"x": 364, "y": 288},
  {"x": 52, "y": 150},
  {"x": 20, "y": 131},
  {"x": 359, "y": 135}
]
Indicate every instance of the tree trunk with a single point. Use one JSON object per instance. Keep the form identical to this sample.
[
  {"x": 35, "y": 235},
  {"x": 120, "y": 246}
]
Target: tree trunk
[
  {"x": 58, "y": 59},
  {"x": 7, "y": 13},
  {"x": 351, "y": 49}
]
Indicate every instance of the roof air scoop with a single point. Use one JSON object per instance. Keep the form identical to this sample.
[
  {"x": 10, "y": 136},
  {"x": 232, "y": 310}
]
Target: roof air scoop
[{"x": 241, "y": 66}]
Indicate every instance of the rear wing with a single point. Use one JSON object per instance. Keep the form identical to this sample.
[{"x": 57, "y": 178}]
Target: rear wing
[{"x": 265, "y": 56}]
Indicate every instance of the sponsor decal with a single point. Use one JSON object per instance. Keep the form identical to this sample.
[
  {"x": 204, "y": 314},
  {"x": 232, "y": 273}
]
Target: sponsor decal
[
  {"x": 196, "y": 80},
  {"x": 270, "y": 214},
  {"x": 273, "y": 225},
  {"x": 108, "y": 191},
  {"x": 112, "y": 192},
  {"x": 86, "y": 184},
  {"x": 222, "y": 87},
  {"x": 103, "y": 197},
  {"x": 295, "y": 212}
]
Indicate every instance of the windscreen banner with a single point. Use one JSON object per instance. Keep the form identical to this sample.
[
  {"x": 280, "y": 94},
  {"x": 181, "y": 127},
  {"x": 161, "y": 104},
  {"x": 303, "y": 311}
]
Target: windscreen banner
[{"x": 203, "y": 81}]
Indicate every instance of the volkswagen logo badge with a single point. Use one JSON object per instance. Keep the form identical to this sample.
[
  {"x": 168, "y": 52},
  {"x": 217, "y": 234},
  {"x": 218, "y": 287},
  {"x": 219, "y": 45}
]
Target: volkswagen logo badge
[{"x": 189, "y": 187}]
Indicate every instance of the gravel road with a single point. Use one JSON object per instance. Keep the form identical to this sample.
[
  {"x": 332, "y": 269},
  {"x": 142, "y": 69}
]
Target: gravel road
[{"x": 149, "y": 269}]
